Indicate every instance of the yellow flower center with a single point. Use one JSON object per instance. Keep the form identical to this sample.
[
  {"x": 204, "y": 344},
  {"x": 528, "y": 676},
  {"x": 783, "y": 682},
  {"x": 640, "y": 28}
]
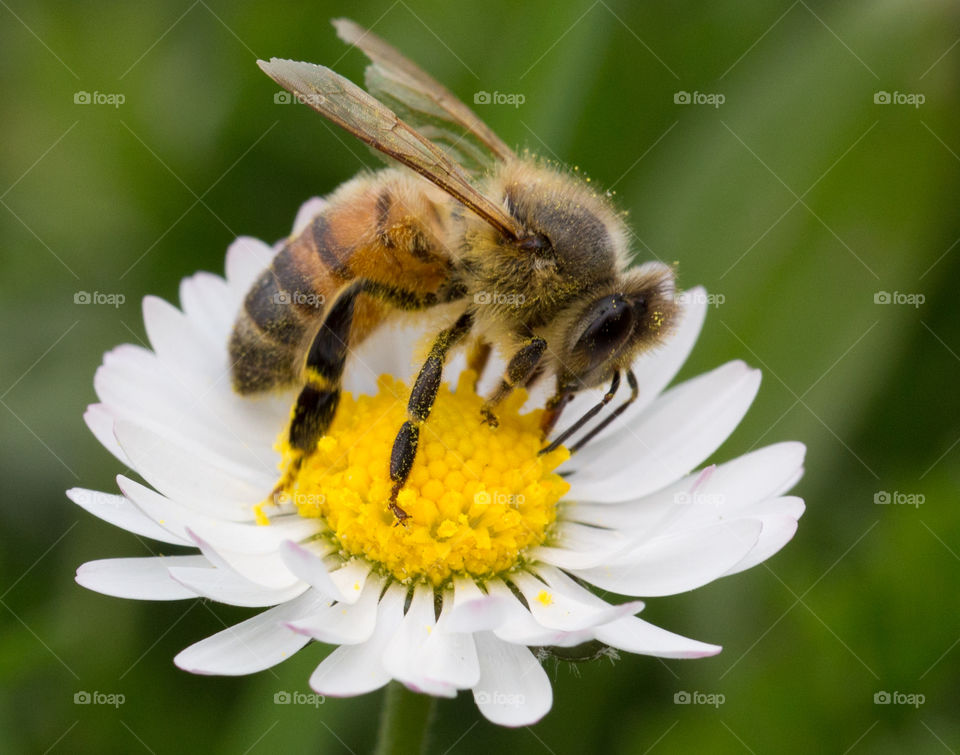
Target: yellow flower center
[{"x": 478, "y": 497}]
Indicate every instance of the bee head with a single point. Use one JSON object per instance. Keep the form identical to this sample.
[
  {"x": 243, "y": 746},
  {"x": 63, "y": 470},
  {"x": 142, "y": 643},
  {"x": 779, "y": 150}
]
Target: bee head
[{"x": 609, "y": 330}]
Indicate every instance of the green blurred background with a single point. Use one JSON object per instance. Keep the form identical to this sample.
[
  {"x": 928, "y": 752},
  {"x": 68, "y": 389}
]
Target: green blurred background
[{"x": 798, "y": 200}]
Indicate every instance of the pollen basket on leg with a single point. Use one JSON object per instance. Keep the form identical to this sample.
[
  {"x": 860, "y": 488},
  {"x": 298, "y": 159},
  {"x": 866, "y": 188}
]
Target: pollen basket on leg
[{"x": 478, "y": 497}]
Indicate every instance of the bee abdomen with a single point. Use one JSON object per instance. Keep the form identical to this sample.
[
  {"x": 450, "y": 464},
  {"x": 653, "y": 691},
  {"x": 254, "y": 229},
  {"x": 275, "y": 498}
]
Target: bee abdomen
[
  {"x": 270, "y": 331},
  {"x": 256, "y": 363},
  {"x": 271, "y": 309}
]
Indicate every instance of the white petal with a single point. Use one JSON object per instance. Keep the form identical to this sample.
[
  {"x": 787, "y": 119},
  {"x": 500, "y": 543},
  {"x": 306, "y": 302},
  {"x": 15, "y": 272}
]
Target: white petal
[
  {"x": 517, "y": 625},
  {"x": 264, "y": 569},
  {"x": 118, "y": 511},
  {"x": 191, "y": 476},
  {"x": 307, "y": 564},
  {"x": 225, "y": 586},
  {"x": 246, "y": 259},
  {"x": 450, "y": 656},
  {"x": 358, "y": 669},
  {"x": 575, "y": 546},
  {"x": 637, "y": 636},
  {"x": 557, "y": 607},
  {"x": 777, "y": 532},
  {"x": 180, "y": 346},
  {"x": 392, "y": 349},
  {"x": 100, "y": 421},
  {"x": 209, "y": 307},
  {"x": 681, "y": 429},
  {"x": 513, "y": 690},
  {"x": 138, "y": 578},
  {"x": 721, "y": 492},
  {"x": 350, "y": 579},
  {"x": 473, "y": 610},
  {"x": 252, "y": 645},
  {"x": 405, "y": 654},
  {"x": 245, "y": 538},
  {"x": 135, "y": 385},
  {"x": 343, "y": 623},
  {"x": 676, "y": 563},
  {"x": 654, "y": 369}
]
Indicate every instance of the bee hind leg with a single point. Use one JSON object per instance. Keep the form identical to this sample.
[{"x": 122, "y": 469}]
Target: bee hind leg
[{"x": 318, "y": 400}]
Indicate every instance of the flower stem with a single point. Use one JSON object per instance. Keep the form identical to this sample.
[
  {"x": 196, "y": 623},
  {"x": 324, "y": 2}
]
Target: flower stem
[{"x": 405, "y": 721}]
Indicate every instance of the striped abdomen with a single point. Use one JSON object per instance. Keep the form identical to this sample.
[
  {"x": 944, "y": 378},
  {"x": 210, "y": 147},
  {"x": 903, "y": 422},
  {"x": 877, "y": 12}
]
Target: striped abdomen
[{"x": 383, "y": 227}]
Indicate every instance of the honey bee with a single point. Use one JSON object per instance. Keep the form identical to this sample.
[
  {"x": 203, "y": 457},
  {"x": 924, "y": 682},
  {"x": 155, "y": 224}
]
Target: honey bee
[{"x": 534, "y": 262}]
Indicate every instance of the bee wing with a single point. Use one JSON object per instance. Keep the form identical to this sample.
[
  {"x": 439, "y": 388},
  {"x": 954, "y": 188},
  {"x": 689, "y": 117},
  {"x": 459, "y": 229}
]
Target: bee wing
[
  {"x": 424, "y": 102},
  {"x": 343, "y": 102}
]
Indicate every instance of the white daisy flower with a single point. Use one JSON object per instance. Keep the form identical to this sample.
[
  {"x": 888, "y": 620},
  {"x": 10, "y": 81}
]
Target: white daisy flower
[{"x": 496, "y": 562}]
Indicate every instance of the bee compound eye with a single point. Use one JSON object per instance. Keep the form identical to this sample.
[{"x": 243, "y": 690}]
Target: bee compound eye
[{"x": 610, "y": 323}]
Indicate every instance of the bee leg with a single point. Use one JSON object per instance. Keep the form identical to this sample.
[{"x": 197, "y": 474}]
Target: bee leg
[
  {"x": 320, "y": 395},
  {"x": 553, "y": 409},
  {"x": 521, "y": 366},
  {"x": 588, "y": 415},
  {"x": 477, "y": 359},
  {"x": 422, "y": 396},
  {"x": 634, "y": 391}
]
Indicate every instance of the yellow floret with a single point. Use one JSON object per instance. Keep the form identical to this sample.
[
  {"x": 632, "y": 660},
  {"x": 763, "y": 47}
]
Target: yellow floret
[{"x": 478, "y": 497}]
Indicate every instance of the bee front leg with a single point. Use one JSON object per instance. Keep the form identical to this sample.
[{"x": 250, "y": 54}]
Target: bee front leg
[
  {"x": 422, "y": 397},
  {"x": 522, "y": 365}
]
